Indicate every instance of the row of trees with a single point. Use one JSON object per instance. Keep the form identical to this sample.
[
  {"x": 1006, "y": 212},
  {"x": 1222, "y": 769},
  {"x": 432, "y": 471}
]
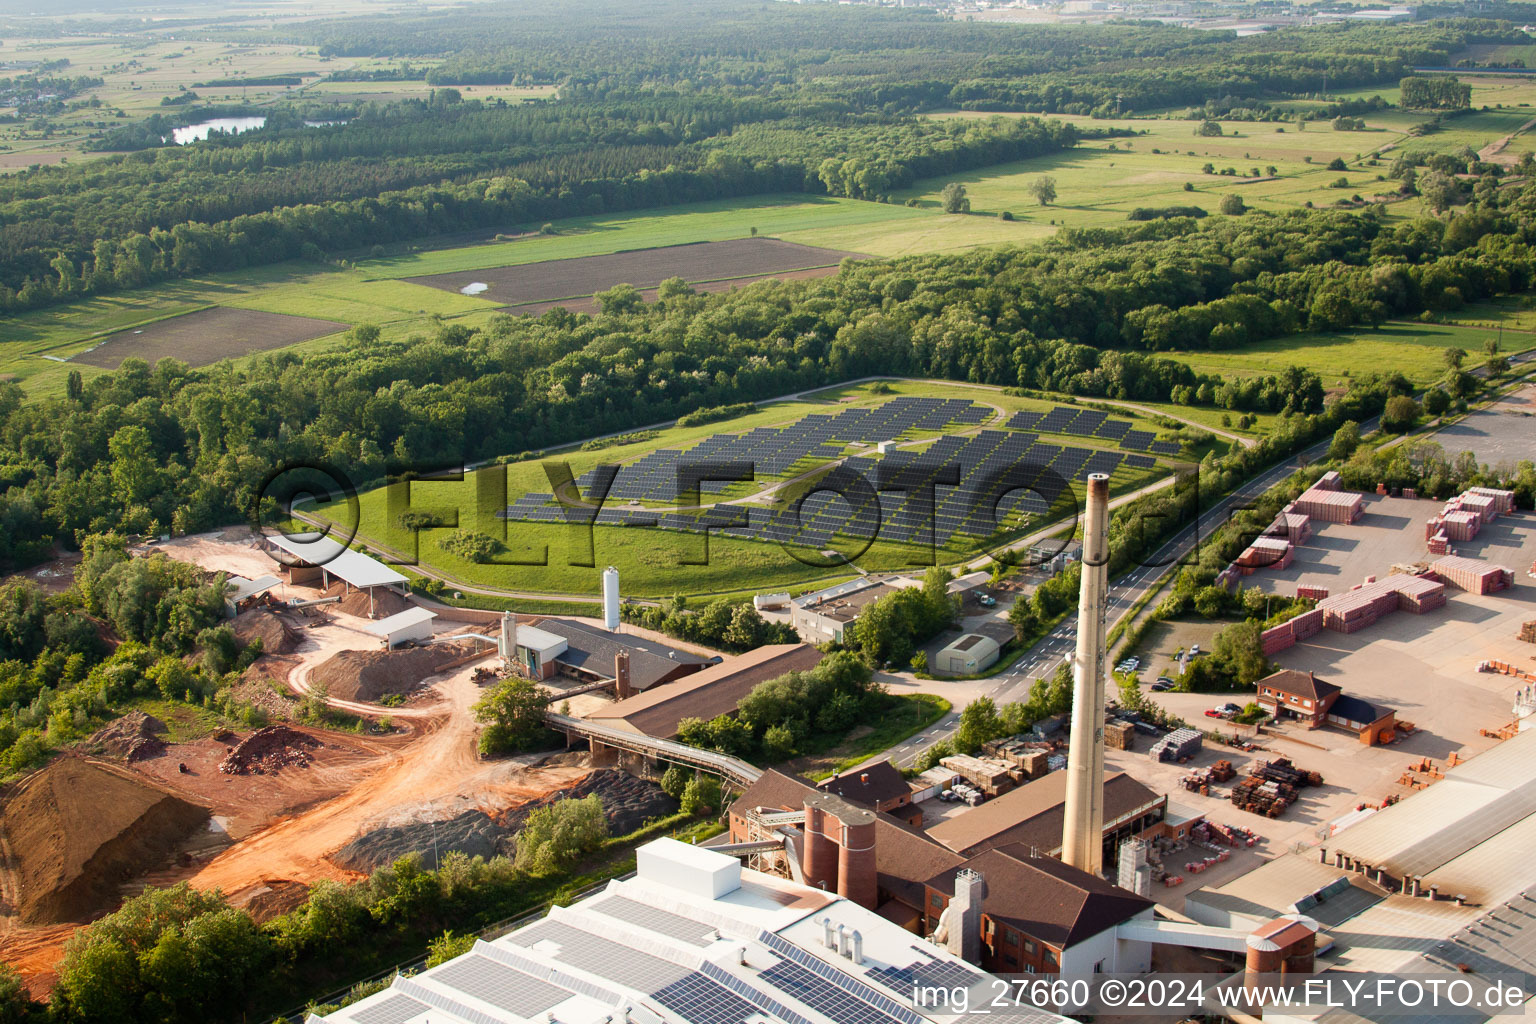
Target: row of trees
[
  {"x": 171, "y": 449},
  {"x": 782, "y": 716},
  {"x": 1435, "y": 92},
  {"x": 719, "y": 624},
  {"x": 411, "y": 170}
]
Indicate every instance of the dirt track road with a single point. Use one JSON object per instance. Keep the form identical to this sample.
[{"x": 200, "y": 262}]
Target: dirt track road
[{"x": 436, "y": 777}]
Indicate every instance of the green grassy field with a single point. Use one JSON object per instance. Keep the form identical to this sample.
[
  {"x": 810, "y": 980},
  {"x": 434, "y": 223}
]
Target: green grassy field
[
  {"x": 785, "y": 216},
  {"x": 657, "y": 563},
  {"x": 1415, "y": 349}
]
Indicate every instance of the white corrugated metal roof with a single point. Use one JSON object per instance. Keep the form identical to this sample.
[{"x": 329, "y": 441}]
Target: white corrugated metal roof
[
  {"x": 354, "y": 567},
  {"x": 1472, "y": 805},
  {"x": 399, "y": 621},
  {"x": 536, "y": 639},
  {"x": 240, "y": 588}
]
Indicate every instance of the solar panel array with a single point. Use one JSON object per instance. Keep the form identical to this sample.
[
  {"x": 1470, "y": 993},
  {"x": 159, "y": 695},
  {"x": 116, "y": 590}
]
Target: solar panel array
[
  {"x": 774, "y": 451},
  {"x": 699, "y": 1000},
  {"x": 1066, "y": 419},
  {"x": 973, "y": 502},
  {"x": 814, "y": 991},
  {"x": 395, "y": 1010},
  {"x": 500, "y": 986},
  {"x": 874, "y": 997},
  {"x": 926, "y": 970},
  {"x": 684, "y": 929}
]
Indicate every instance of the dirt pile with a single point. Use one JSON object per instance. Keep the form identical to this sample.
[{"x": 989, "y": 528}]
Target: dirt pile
[
  {"x": 276, "y": 635},
  {"x": 134, "y": 737},
  {"x": 628, "y": 803},
  {"x": 472, "y": 833},
  {"x": 369, "y": 675},
  {"x": 76, "y": 830},
  {"x": 269, "y": 750},
  {"x": 385, "y": 602}
]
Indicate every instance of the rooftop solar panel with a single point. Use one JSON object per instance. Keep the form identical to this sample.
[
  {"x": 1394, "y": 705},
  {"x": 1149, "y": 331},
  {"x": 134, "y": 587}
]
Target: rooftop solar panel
[
  {"x": 500, "y": 986},
  {"x": 397, "y": 1009}
]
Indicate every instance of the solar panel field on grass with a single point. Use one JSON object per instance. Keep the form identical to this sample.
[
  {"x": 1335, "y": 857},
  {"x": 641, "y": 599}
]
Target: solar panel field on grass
[{"x": 919, "y": 490}]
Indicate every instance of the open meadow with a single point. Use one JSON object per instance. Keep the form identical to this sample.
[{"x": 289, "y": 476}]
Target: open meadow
[{"x": 1275, "y": 167}]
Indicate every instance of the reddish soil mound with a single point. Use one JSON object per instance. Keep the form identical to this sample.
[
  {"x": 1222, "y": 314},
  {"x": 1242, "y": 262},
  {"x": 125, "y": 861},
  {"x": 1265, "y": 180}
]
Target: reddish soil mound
[
  {"x": 78, "y": 829},
  {"x": 269, "y": 750},
  {"x": 369, "y": 675},
  {"x": 134, "y": 737},
  {"x": 385, "y": 602},
  {"x": 276, "y": 636}
]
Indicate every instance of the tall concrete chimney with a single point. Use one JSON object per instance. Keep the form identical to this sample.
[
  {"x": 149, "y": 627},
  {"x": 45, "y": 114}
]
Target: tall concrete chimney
[{"x": 1082, "y": 837}]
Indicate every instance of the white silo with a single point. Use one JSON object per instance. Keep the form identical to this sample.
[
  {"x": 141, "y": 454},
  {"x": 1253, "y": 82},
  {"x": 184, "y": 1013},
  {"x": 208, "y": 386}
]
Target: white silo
[{"x": 611, "y": 598}]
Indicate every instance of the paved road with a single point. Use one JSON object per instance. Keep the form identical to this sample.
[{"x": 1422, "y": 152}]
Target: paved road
[{"x": 1043, "y": 658}]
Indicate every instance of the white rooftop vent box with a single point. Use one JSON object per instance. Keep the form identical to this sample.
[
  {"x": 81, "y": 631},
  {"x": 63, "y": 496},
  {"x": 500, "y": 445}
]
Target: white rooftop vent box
[{"x": 689, "y": 868}]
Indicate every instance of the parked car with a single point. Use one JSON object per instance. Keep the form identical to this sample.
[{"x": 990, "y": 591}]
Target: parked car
[
  {"x": 1231, "y": 708},
  {"x": 1165, "y": 679},
  {"x": 1213, "y": 713},
  {"x": 1161, "y": 687}
]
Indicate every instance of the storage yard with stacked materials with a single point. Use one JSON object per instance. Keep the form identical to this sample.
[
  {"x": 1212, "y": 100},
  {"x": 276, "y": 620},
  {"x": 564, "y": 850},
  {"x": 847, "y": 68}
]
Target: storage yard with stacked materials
[{"x": 1425, "y": 624}]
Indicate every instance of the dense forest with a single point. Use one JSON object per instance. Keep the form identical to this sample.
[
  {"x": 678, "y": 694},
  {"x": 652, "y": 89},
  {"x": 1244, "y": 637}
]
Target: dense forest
[
  {"x": 419, "y": 169},
  {"x": 659, "y": 103}
]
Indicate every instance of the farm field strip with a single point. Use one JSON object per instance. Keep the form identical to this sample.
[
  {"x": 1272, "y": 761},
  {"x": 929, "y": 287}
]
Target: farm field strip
[
  {"x": 206, "y": 336},
  {"x": 646, "y": 268}
]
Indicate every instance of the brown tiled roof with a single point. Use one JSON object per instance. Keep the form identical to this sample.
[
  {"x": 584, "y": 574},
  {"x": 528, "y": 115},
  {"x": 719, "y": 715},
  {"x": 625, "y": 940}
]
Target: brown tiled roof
[
  {"x": 905, "y": 857},
  {"x": 710, "y": 692},
  {"x": 1302, "y": 684},
  {"x": 1033, "y": 814},
  {"x": 1044, "y": 898},
  {"x": 871, "y": 785}
]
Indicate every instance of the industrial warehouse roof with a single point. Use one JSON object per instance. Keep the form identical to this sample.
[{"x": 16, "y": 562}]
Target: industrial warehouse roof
[
  {"x": 400, "y": 620},
  {"x": 353, "y": 567},
  {"x": 1468, "y": 834},
  {"x": 1478, "y": 802},
  {"x": 709, "y": 692},
  {"x": 592, "y": 649},
  {"x": 1045, "y": 898},
  {"x": 1033, "y": 814},
  {"x": 684, "y": 942}
]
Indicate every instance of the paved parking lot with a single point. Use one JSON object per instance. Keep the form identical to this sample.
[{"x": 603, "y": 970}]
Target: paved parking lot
[{"x": 1500, "y": 435}]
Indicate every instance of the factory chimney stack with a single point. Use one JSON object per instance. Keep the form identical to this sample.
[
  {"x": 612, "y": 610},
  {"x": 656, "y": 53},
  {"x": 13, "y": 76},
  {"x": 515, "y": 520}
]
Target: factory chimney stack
[{"x": 1082, "y": 840}]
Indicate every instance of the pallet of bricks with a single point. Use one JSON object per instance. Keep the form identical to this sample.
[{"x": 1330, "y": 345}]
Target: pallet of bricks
[
  {"x": 1201, "y": 780},
  {"x": 1472, "y": 575},
  {"x": 1120, "y": 735},
  {"x": 1324, "y": 501},
  {"x": 1217, "y": 833},
  {"x": 1177, "y": 747},
  {"x": 1282, "y": 770},
  {"x": 1259, "y": 796}
]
